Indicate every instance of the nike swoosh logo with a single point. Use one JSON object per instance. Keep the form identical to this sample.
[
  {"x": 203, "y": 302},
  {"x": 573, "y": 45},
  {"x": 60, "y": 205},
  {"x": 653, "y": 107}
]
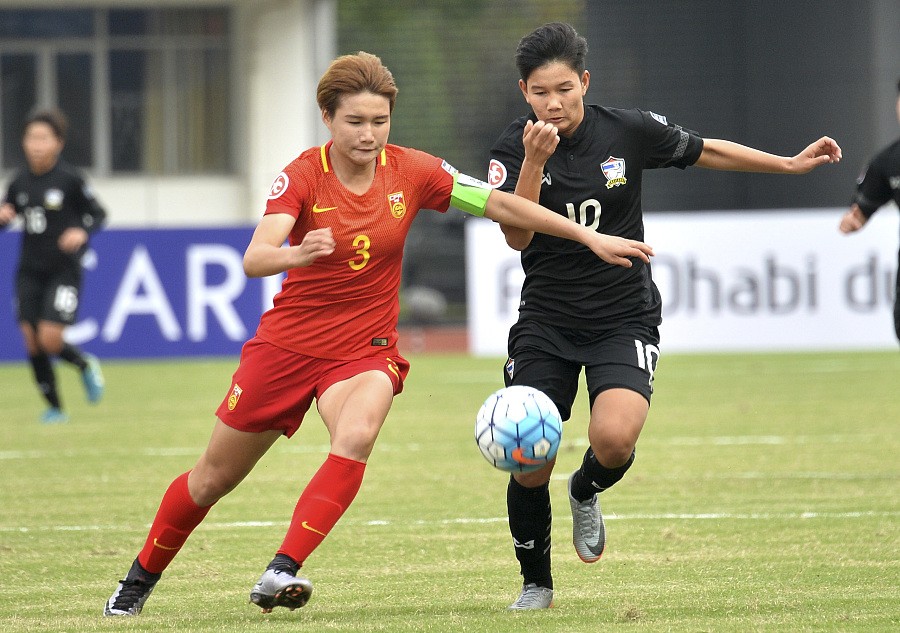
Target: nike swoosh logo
[
  {"x": 519, "y": 457},
  {"x": 307, "y": 526},
  {"x": 318, "y": 209},
  {"x": 171, "y": 549}
]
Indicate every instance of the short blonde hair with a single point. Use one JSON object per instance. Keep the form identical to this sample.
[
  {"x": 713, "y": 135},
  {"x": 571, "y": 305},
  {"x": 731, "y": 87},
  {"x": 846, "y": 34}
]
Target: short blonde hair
[{"x": 352, "y": 74}]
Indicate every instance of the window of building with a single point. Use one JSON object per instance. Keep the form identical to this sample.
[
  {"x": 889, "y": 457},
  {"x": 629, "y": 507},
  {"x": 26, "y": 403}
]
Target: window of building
[{"x": 145, "y": 90}]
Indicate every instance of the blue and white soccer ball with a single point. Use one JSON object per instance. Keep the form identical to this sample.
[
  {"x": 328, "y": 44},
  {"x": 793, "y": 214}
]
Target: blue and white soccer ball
[{"x": 518, "y": 429}]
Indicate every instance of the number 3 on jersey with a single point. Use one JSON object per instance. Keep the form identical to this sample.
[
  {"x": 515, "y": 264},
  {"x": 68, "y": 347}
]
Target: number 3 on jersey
[{"x": 362, "y": 244}]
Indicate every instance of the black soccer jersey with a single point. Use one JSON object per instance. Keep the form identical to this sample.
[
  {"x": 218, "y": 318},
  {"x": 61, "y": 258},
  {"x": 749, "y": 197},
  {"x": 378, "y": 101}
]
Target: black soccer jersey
[
  {"x": 881, "y": 180},
  {"x": 49, "y": 204},
  {"x": 593, "y": 178}
]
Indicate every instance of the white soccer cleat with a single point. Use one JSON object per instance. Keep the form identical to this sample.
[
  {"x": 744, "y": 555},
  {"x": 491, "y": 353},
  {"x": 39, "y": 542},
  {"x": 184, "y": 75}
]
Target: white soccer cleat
[
  {"x": 533, "y": 597},
  {"x": 277, "y": 588},
  {"x": 588, "y": 529}
]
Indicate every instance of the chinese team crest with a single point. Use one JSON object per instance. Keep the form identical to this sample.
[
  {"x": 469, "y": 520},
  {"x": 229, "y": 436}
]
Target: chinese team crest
[
  {"x": 614, "y": 170},
  {"x": 234, "y": 397},
  {"x": 397, "y": 204}
]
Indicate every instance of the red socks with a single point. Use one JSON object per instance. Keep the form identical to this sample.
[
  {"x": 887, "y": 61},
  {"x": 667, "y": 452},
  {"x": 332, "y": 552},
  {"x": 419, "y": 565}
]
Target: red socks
[
  {"x": 176, "y": 518},
  {"x": 326, "y": 497}
]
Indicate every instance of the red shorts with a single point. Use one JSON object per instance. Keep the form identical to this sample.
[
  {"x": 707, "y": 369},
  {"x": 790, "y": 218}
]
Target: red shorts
[{"x": 273, "y": 388}]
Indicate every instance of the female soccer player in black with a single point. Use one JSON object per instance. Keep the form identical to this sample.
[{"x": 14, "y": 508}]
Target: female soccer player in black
[
  {"x": 878, "y": 185},
  {"x": 59, "y": 213},
  {"x": 586, "y": 162}
]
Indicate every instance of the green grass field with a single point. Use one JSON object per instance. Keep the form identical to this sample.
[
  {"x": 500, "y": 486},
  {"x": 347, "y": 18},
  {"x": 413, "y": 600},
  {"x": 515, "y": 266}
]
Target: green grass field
[{"x": 765, "y": 497}]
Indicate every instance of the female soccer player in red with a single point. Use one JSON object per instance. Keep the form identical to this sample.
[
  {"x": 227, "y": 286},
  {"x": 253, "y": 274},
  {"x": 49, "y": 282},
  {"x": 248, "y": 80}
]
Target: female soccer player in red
[{"x": 345, "y": 209}]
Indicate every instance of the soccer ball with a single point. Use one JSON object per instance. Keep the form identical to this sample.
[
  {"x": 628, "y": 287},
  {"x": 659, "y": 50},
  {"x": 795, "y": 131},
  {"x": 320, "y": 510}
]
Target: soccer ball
[{"x": 518, "y": 429}]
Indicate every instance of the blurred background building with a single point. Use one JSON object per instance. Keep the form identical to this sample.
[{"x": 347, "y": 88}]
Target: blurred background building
[{"x": 182, "y": 113}]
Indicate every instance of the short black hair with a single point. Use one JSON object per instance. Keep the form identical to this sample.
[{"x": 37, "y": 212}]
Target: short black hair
[
  {"x": 54, "y": 117},
  {"x": 553, "y": 42}
]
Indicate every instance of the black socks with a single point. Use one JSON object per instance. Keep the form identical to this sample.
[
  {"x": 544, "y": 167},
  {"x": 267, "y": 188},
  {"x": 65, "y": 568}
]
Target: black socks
[
  {"x": 529, "y": 524},
  {"x": 594, "y": 477},
  {"x": 138, "y": 573},
  {"x": 73, "y": 355},
  {"x": 45, "y": 378},
  {"x": 283, "y": 562}
]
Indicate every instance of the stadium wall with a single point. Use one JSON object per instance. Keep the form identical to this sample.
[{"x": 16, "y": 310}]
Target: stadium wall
[
  {"x": 730, "y": 281},
  {"x": 278, "y": 50}
]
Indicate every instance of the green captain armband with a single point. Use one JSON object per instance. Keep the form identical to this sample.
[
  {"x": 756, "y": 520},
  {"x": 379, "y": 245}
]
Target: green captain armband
[{"x": 469, "y": 194}]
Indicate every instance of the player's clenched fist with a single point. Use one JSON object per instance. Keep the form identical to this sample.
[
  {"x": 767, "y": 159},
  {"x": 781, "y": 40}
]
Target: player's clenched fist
[
  {"x": 540, "y": 140},
  {"x": 317, "y": 243}
]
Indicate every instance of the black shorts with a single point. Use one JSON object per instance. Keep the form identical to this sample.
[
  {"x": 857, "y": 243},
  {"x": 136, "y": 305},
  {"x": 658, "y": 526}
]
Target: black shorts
[
  {"x": 550, "y": 358},
  {"x": 48, "y": 295}
]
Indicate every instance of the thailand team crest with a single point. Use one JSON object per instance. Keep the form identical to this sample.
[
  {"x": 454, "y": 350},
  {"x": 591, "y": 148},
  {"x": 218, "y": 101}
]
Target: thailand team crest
[
  {"x": 234, "y": 397},
  {"x": 397, "y": 204},
  {"x": 614, "y": 170},
  {"x": 53, "y": 199}
]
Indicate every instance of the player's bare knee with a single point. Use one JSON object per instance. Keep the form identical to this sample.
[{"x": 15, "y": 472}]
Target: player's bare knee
[
  {"x": 614, "y": 452},
  {"x": 355, "y": 440},
  {"x": 50, "y": 342},
  {"x": 211, "y": 484},
  {"x": 356, "y": 448}
]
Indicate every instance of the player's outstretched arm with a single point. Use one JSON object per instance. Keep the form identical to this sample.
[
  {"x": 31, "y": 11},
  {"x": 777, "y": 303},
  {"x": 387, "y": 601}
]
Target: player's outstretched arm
[
  {"x": 512, "y": 210},
  {"x": 266, "y": 255},
  {"x": 729, "y": 156}
]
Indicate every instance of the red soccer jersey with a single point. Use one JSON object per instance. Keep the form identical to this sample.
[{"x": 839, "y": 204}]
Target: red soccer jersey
[{"x": 346, "y": 305}]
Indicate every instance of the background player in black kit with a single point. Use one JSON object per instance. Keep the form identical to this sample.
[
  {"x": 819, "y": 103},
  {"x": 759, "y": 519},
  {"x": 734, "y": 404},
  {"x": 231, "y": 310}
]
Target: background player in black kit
[
  {"x": 586, "y": 162},
  {"x": 878, "y": 185},
  {"x": 59, "y": 213}
]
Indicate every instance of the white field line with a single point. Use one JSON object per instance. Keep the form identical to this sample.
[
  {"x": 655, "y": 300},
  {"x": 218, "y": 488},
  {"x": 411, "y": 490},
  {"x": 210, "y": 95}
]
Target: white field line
[
  {"x": 811, "y": 366},
  {"x": 707, "y": 516},
  {"x": 299, "y": 447}
]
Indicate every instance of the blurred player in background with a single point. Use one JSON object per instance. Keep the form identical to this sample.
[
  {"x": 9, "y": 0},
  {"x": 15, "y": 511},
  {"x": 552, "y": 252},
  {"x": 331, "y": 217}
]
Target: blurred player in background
[
  {"x": 60, "y": 212},
  {"x": 586, "y": 163},
  {"x": 878, "y": 185},
  {"x": 345, "y": 208}
]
